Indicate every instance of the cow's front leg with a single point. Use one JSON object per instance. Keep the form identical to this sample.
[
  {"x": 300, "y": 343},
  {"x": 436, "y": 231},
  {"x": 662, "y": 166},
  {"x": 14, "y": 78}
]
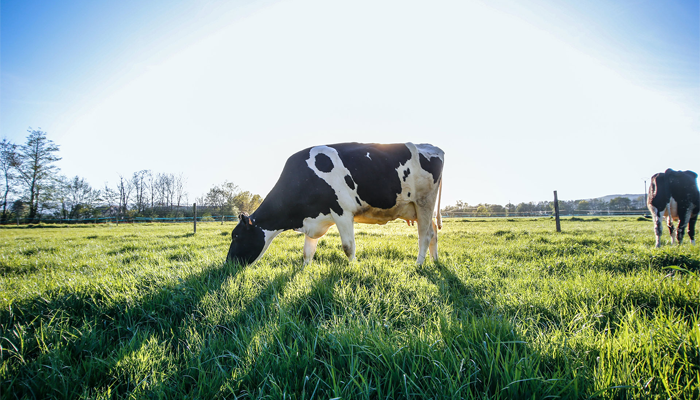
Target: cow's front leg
[
  {"x": 346, "y": 229},
  {"x": 309, "y": 248}
]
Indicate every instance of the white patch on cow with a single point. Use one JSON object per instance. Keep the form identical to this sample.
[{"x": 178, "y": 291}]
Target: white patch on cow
[
  {"x": 368, "y": 155},
  {"x": 269, "y": 235},
  {"x": 335, "y": 178},
  {"x": 315, "y": 227},
  {"x": 671, "y": 214}
]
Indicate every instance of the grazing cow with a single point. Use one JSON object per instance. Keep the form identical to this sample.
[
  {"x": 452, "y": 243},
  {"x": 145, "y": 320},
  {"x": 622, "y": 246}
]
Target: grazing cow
[
  {"x": 341, "y": 184},
  {"x": 674, "y": 195}
]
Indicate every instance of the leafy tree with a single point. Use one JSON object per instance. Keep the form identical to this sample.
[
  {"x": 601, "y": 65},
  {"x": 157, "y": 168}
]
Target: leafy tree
[
  {"x": 8, "y": 162},
  {"x": 564, "y": 206},
  {"x": 599, "y": 205},
  {"x": 247, "y": 202},
  {"x": 229, "y": 199},
  {"x": 620, "y": 203},
  {"x": 525, "y": 208},
  {"x": 35, "y": 167},
  {"x": 19, "y": 209},
  {"x": 223, "y": 197},
  {"x": 496, "y": 209},
  {"x": 639, "y": 203},
  {"x": 583, "y": 206},
  {"x": 483, "y": 210}
]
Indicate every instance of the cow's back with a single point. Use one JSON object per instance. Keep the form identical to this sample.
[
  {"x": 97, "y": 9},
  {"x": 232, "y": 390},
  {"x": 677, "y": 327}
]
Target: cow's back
[{"x": 373, "y": 168}]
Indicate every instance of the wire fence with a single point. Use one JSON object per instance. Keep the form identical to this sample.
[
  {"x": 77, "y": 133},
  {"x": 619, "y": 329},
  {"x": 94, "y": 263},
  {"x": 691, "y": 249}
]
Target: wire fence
[
  {"x": 577, "y": 213},
  {"x": 232, "y": 218},
  {"x": 119, "y": 220}
]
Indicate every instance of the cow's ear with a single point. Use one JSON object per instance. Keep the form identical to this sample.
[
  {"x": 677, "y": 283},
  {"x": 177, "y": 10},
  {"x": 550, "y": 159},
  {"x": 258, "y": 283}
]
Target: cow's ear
[{"x": 243, "y": 217}]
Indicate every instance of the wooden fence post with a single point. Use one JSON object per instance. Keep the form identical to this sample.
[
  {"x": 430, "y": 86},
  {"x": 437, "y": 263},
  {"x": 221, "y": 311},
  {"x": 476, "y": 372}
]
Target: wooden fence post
[
  {"x": 194, "y": 208},
  {"x": 556, "y": 211}
]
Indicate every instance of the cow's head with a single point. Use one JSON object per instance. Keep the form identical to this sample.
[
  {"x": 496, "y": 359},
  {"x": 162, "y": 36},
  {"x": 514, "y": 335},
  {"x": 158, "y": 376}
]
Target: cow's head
[{"x": 247, "y": 241}]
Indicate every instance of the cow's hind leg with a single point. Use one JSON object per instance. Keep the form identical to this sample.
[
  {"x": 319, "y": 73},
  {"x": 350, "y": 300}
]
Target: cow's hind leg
[
  {"x": 683, "y": 219},
  {"x": 691, "y": 227},
  {"x": 346, "y": 229},
  {"x": 309, "y": 249},
  {"x": 426, "y": 234},
  {"x": 657, "y": 217},
  {"x": 433, "y": 242}
]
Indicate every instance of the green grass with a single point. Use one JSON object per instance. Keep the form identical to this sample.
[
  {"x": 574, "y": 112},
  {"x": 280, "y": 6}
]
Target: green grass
[{"x": 512, "y": 310}]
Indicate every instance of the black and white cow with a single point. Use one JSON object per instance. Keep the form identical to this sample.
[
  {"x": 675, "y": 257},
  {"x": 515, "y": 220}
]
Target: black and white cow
[
  {"x": 674, "y": 195},
  {"x": 341, "y": 184}
]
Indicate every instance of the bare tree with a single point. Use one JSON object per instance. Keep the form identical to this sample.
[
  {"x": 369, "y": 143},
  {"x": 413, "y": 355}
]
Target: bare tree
[
  {"x": 80, "y": 196},
  {"x": 35, "y": 167},
  {"x": 166, "y": 189},
  {"x": 110, "y": 197},
  {"x": 8, "y": 162},
  {"x": 152, "y": 188},
  {"x": 124, "y": 188},
  {"x": 180, "y": 193},
  {"x": 140, "y": 184}
]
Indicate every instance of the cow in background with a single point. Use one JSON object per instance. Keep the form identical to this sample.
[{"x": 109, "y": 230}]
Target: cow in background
[
  {"x": 674, "y": 195},
  {"x": 340, "y": 184}
]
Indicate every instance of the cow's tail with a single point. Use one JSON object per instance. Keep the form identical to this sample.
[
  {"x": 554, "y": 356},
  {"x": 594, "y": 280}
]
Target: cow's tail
[{"x": 439, "y": 217}]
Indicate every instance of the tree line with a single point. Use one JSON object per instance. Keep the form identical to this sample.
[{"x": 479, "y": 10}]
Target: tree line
[
  {"x": 579, "y": 207},
  {"x": 34, "y": 190}
]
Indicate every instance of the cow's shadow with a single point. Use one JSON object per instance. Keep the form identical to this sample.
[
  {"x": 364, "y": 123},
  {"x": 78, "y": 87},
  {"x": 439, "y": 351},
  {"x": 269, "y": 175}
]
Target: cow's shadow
[
  {"x": 95, "y": 327},
  {"x": 451, "y": 288}
]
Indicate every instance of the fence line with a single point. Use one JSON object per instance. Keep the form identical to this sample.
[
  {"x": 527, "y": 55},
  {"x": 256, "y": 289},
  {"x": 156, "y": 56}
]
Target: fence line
[
  {"x": 234, "y": 218},
  {"x": 121, "y": 220},
  {"x": 583, "y": 213}
]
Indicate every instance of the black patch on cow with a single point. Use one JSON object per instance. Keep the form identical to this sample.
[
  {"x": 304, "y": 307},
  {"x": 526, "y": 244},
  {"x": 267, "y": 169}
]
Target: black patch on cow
[
  {"x": 324, "y": 163},
  {"x": 247, "y": 242},
  {"x": 406, "y": 173},
  {"x": 349, "y": 182},
  {"x": 434, "y": 166},
  {"x": 358, "y": 201},
  {"x": 299, "y": 193},
  {"x": 377, "y": 182},
  {"x": 409, "y": 194}
]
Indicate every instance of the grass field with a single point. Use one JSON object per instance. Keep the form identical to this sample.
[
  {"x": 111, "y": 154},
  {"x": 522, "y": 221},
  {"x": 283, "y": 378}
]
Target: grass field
[{"x": 512, "y": 310}]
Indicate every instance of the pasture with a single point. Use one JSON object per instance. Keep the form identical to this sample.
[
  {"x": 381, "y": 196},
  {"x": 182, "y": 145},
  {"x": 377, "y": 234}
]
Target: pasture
[{"x": 512, "y": 310}]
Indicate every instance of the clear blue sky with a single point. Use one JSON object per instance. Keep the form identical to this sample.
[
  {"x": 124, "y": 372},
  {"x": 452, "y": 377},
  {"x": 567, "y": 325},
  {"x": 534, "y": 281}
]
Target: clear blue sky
[{"x": 585, "y": 97}]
